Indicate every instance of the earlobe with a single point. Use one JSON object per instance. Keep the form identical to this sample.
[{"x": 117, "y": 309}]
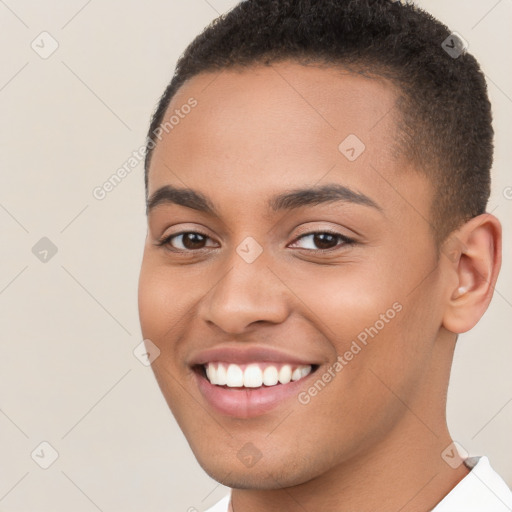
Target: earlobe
[{"x": 474, "y": 267}]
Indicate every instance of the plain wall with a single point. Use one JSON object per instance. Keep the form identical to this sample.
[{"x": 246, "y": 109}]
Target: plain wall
[{"x": 69, "y": 325}]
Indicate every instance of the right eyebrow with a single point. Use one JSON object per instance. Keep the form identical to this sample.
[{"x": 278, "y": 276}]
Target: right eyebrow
[{"x": 182, "y": 196}]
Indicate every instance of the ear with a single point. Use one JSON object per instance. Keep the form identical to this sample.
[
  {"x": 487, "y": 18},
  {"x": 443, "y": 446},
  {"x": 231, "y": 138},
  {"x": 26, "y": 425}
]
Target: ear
[{"x": 474, "y": 254}]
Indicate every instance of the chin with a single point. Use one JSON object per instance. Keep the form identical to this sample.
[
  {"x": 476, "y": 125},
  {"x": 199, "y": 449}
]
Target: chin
[{"x": 266, "y": 474}]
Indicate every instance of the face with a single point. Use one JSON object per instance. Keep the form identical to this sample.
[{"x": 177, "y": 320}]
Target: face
[{"x": 288, "y": 322}]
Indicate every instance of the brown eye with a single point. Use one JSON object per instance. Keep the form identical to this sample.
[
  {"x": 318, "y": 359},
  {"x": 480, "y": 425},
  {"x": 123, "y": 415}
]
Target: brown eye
[
  {"x": 324, "y": 240},
  {"x": 185, "y": 241},
  {"x": 193, "y": 240}
]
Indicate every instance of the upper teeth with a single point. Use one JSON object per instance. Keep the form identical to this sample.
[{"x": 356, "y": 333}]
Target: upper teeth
[{"x": 254, "y": 375}]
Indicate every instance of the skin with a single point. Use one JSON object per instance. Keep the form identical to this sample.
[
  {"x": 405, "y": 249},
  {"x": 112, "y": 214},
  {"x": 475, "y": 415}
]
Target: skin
[{"x": 372, "y": 438}]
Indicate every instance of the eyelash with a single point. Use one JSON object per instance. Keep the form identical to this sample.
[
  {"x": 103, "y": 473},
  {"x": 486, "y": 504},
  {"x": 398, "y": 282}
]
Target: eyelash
[{"x": 346, "y": 241}]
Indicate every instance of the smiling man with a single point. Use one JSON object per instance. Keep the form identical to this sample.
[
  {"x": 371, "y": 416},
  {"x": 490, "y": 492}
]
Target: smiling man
[{"x": 317, "y": 174}]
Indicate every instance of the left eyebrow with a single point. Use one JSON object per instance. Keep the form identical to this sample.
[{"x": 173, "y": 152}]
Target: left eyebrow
[
  {"x": 296, "y": 198},
  {"x": 333, "y": 192}
]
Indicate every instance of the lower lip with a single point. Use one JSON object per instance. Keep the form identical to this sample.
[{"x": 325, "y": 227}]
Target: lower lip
[{"x": 247, "y": 402}]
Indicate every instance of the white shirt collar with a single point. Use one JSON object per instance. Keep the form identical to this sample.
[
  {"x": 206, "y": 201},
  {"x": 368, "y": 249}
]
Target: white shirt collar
[{"x": 481, "y": 490}]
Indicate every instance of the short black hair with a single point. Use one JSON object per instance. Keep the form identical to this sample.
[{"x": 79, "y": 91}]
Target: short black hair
[{"x": 445, "y": 123}]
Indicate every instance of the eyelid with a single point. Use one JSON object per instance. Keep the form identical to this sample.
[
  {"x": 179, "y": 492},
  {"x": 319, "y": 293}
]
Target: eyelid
[
  {"x": 182, "y": 228},
  {"x": 344, "y": 238},
  {"x": 165, "y": 239},
  {"x": 319, "y": 227}
]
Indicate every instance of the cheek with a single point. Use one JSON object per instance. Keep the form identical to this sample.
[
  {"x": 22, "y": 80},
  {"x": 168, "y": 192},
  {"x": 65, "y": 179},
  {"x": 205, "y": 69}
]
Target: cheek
[
  {"x": 162, "y": 300},
  {"x": 345, "y": 302},
  {"x": 162, "y": 318},
  {"x": 373, "y": 323},
  {"x": 151, "y": 299}
]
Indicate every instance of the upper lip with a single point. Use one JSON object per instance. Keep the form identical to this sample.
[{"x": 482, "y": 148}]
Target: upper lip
[{"x": 244, "y": 355}]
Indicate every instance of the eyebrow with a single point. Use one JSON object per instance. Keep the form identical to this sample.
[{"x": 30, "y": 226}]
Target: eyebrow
[{"x": 296, "y": 198}]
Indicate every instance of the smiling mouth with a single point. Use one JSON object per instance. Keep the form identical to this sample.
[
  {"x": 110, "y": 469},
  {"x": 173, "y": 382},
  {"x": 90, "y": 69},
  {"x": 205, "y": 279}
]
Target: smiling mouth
[{"x": 253, "y": 375}]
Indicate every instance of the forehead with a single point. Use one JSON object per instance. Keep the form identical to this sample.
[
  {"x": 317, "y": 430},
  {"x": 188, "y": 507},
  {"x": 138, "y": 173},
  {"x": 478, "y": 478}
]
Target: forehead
[{"x": 267, "y": 128}]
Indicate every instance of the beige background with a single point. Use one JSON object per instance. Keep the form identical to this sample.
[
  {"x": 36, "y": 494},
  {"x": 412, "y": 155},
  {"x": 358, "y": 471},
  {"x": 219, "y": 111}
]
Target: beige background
[{"x": 68, "y": 326}]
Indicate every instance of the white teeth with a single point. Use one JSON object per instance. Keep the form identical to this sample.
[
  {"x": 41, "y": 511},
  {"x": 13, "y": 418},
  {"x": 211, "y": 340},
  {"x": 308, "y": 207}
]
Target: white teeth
[
  {"x": 221, "y": 375},
  {"x": 285, "y": 374},
  {"x": 296, "y": 374},
  {"x": 253, "y": 376},
  {"x": 270, "y": 376},
  {"x": 305, "y": 370},
  {"x": 233, "y": 376}
]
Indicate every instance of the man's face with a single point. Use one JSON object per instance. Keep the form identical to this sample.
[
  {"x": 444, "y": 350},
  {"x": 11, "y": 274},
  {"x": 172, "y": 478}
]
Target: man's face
[{"x": 360, "y": 301}]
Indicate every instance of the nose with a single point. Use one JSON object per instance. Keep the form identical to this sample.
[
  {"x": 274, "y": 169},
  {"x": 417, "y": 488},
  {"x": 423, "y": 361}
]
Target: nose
[{"x": 246, "y": 293}]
